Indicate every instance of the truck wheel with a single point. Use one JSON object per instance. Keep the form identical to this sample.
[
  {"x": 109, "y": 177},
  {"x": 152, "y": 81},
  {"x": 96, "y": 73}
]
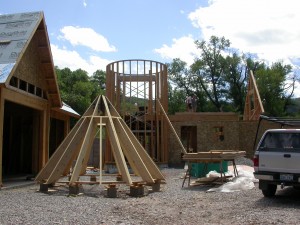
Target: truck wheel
[{"x": 270, "y": 191}]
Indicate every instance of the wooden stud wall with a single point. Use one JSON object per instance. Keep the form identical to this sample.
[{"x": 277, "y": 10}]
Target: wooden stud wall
[
  {"x": 253, "y": 104},
  {"x": 145, "y": 81}
]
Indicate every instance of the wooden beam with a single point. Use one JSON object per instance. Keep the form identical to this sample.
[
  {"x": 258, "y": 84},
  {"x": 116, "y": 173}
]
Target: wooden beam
[
  {"x": 172, "y": 128},
  {"x": 84, "y": 150},
  {"x": 131, "y": 153},
  {"x": 253, "y": 104},
  {"x": 82, "y": 157},
  {"x": 24, "y": 99},
  {"x": 61, "y": 152},
  {"x": 149, "y": 163},
  {"x": 116, "y": 147},
  {"x": 136, "y": 78},
  {"x": 1, "y": 133}
]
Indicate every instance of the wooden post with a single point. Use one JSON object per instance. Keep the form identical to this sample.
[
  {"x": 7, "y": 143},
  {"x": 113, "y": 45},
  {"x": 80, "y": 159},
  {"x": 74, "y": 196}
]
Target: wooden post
[
  {"x": 100, "y": 151},
  {"x": 1, "y": 132}
]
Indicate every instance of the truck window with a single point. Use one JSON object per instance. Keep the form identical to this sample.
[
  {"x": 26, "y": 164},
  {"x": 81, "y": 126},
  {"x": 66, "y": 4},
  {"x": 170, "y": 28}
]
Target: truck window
[{"x": 273, "y": 141}]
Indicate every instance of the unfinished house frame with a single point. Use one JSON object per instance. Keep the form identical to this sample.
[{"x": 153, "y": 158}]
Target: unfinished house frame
[
  {"x": 33, "y": 119},
  {"x": 253, "y": 105},
  {"x": 135, "y": 88}
]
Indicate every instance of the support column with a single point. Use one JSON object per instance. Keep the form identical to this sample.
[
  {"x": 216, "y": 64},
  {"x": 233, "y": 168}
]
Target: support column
[
  {"x": 44, "y": 139},
  {"x": 1, "y": 132}
]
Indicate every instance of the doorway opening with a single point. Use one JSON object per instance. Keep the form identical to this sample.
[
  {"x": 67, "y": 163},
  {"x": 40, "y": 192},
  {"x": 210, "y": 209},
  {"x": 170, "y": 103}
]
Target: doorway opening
[
  {"x": 189, "y": 138},
  {"x": 20, "y": 140}
]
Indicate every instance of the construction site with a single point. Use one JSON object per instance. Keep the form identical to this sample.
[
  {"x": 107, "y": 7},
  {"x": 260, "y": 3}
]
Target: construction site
[{"x": 127, "y": 131}]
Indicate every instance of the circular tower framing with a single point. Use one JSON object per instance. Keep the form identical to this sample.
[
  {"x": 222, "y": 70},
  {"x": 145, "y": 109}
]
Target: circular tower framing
[{"x": 137, "y": 89}]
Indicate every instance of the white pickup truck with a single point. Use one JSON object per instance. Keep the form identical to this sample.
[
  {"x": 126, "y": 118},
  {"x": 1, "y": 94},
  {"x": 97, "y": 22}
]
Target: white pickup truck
[{"x": 277, "y": 160}]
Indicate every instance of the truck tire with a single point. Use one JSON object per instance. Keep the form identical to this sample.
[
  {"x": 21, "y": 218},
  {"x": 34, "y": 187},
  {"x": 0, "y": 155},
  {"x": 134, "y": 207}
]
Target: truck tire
[{"x": 270, "y": 190}]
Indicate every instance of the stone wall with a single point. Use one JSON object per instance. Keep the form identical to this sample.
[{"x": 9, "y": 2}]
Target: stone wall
[{"x": 238, "y": 135}]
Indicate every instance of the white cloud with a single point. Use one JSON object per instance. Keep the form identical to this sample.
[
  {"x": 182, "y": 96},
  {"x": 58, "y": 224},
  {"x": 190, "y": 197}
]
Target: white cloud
[
  {"x": 86, "y": 37},
  {"x": 84, "y": 3},
  {"x": 268, "y": 28},
  {"x": 65, "y": 58},
  {"x": 183, "y": 48}
]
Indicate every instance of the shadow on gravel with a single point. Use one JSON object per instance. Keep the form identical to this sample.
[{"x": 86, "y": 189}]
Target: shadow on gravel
[{"x": 287, "y": 198}]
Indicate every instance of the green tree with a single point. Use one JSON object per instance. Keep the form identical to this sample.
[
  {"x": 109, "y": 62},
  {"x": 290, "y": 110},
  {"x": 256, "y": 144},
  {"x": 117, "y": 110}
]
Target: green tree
[
  {"x": 176, "y": 100},
  {"x": 98, "y": 80},
  {"x": 209, "y": 69},
  {"x": 274, "y": 89},
  {"x": 182, "y": 84},
  {"x": 236, "y": 78},
  {"x": 76, "y": 88}
]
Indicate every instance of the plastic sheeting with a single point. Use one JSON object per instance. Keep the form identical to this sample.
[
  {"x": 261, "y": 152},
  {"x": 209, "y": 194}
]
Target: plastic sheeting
[{"x": 244, "y": 181}]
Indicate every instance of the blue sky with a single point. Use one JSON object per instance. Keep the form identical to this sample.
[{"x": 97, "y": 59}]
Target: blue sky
[{"x": 89, "y": 34}]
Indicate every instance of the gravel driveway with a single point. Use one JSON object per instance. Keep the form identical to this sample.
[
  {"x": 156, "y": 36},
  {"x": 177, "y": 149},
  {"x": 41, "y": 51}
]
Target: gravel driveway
[{"x": 172, "y": 205}]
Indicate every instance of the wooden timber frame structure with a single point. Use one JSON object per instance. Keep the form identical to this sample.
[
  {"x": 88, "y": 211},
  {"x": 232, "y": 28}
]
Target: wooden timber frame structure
[
  {"x": 253, "y": 104},
  {"x": 33, "y": 119},
  {"x": 135, "y": 87},
  {"x": 77, "y": 147}
]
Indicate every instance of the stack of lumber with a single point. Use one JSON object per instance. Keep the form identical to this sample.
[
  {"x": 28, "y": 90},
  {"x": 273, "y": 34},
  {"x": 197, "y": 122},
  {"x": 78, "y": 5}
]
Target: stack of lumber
[{"x": 214, "y": 155}]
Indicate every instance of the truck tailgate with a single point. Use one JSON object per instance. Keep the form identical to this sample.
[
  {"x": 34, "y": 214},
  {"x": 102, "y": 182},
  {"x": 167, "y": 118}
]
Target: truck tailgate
[{"x": 284, "y": 162}]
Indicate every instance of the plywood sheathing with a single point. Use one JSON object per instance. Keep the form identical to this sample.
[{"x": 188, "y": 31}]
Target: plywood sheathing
[
  {"x": 29, "y": 50},
  {"x": 77, "y": 146}
]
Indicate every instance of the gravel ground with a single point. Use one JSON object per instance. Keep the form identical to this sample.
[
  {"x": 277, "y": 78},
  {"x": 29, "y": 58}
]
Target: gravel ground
[{"x": 172, "y": 205}]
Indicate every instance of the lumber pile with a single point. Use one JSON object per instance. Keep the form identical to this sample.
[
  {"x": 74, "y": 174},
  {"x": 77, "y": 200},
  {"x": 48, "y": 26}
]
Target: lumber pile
[{"x": 212, "y": 155}]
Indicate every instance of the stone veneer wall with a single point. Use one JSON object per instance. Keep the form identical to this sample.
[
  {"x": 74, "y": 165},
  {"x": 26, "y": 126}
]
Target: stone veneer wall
[{"x": 238, "y": 135}]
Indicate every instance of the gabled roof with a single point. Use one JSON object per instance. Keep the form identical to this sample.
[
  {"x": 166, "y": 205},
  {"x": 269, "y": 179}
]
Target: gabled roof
[{"x": 16, "y": 32}]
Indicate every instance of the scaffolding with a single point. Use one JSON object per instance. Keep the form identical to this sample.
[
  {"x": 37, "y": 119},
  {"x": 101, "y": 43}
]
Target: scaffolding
[{"x": 135, "y": 88}]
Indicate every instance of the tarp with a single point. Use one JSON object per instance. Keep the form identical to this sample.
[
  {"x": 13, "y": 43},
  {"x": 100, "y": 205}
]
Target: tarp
[{"x": 244, "y": 181}]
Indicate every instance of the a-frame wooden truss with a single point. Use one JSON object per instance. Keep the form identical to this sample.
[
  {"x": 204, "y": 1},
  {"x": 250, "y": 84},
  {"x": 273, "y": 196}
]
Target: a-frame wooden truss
[
  {"x": 253, "y": 105},
  {"x": 77, "y": 147}
]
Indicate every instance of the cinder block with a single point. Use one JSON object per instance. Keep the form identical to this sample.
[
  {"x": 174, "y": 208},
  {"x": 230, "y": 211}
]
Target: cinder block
[
  {"x": 44, "y": 187},
  {"x": 73, "y": 190},
  {"x": 137, "y": 190},
  {"x": 112, "y": 191}
]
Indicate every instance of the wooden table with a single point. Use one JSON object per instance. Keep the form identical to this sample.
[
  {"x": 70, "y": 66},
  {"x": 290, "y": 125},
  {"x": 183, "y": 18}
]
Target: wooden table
[{"x": 213, "y": 156}]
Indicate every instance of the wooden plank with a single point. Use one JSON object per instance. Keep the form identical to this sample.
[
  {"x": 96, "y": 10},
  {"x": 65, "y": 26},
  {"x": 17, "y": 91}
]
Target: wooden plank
[
  {"x": 172, "y": 128},
  {"x": 81, "y": 159},
  {"x": 44, "y": 135},
  {"x": 23, "y": 98},
  {"x": 137, "y": 78},
  {"x": 68, "y": 156},
  {"x": 1, "y": 132},
  {"x": 93, "y": 182},
  {"x": 149, "y": 163},
  {"x": 89, "y": 147},
  {"x": 46, "y": 171},
  {"x": 58, "y": 163},
  {"x": 116, "y": 147},
  {"x": 256, "y": 91},
  {"x": 146, "y": 159},
  {"x": 83, "y": 153},
  {"x": 100, "y": 150},
  {"x": 253, "y": 104},
  {"x": 131, "y": 153}
]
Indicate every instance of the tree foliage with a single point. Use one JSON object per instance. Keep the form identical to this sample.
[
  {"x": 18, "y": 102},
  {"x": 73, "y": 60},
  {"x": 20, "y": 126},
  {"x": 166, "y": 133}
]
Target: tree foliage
[
  {"x": 209, "y": 69},
  {"x": 77, "y": 89},
  {"x": 273, "y": 88},
  {"x": 219, "y": 77}
]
